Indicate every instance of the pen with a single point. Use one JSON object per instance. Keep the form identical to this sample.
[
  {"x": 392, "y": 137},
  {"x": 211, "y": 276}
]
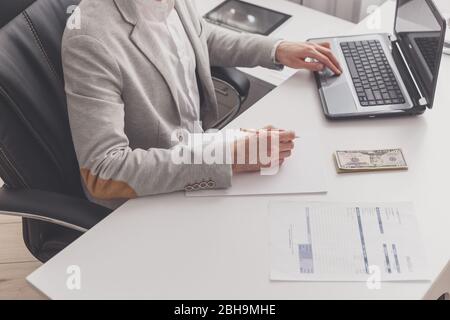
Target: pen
[{"x": 256, "y": 131}]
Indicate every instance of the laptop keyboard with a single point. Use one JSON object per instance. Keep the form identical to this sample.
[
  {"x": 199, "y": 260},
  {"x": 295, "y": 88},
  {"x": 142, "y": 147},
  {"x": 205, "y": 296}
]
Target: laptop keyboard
[{"x": 372, "y": 75}]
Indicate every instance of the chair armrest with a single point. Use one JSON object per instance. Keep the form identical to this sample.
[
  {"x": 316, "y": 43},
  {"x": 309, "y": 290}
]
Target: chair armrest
[
  {"x": 235, "y": 78},
  {"x": 66, "y": 211}
]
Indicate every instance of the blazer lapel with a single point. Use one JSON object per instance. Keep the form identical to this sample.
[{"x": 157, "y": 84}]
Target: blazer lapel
[
  {"x": 144, "y": 39},
  {"x": 147, "y": 43}
]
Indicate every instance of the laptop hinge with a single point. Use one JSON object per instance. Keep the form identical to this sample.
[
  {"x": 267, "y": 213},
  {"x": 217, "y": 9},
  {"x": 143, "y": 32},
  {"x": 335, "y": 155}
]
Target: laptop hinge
[{"x": 422, "y": 100}]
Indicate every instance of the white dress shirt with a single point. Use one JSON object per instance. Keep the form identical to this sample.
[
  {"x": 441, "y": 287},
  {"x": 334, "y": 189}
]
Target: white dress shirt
[{"x": 164, "y": 21}]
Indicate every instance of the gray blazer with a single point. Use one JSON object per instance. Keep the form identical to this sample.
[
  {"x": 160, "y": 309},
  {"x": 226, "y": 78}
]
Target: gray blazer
[{"x": 122, "y": 105}]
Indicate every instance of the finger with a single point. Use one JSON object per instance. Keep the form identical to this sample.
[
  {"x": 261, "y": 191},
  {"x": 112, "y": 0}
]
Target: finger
[
  {"x": 325, "y": 44},
  {"x": 286, "y": 154},
  {"x": 287, "y": 146},
  {"x": 269, "y": 132},
  {"x": 326, "y": 51},
  {"x": 325, "y": 60},
  {"x": 265, "y": 139},
  {"x": 235, "y": 148},
  {"x": 253, "y": 131},
  {"x": 266, "y": 166},
  {"x": 240, "y": 147},
  {"x": 265, "y": 130},
  {"x": 269, "y": 128},
  {"x": 278, "y": 141},
  {"x": 311, "y": 66},
  {"x": 251, "y": 153},
  {"x": 287, "y": 136},
  {"x": 249, "y": 168},
  {"x": 274, "y": 163}
]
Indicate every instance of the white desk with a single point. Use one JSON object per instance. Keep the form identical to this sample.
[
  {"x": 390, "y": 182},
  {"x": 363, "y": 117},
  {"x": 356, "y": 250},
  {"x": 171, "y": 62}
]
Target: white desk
[{"x": 172, "y": 247}]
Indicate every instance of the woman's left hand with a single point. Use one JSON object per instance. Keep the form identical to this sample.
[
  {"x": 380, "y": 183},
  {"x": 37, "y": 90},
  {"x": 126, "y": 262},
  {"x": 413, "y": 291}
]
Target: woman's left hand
[{"x": 295, "y": 55}]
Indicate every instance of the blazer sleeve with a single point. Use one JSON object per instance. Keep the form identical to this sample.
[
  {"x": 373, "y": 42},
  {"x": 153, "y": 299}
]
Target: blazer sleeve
[
  {"x": 109, "y": 167},
  {"x": 231, "y": 49}
]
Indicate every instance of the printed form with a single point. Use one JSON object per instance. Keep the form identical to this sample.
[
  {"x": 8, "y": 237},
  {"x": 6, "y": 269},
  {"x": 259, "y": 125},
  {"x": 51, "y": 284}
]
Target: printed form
[{"x": 345, "y": 242}]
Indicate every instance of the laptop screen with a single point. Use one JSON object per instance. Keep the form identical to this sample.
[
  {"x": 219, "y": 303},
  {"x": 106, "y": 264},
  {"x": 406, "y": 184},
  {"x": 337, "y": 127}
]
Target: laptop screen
[{"x": 421, "y": 33}]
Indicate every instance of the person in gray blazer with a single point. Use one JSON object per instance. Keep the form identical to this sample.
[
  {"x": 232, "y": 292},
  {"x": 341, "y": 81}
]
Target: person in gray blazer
[{"x": 137, "y": 77}]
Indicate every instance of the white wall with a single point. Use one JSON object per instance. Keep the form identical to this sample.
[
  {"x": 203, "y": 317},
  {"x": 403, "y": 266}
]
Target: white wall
[
  {"x": 353, "y": 10},
  {"x": 365, "y": 4}
]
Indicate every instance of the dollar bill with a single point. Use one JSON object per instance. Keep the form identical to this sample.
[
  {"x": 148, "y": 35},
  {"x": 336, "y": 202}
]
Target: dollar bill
[{"x": 370, "y": 160}]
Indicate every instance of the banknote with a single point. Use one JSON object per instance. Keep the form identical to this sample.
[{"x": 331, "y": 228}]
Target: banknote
[{"x": 370, "y": 160}]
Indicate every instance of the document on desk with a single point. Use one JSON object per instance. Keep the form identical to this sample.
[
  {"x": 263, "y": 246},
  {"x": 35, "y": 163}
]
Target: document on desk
[
  {"x": 274, "y": 77},
  {"x": 302, "y": 173},
  {"x": 345, "y": 242}
]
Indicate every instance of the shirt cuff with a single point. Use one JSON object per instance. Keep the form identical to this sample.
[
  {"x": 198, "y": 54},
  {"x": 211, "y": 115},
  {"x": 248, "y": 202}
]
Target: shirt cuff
[{"x": 274, "y": 55}]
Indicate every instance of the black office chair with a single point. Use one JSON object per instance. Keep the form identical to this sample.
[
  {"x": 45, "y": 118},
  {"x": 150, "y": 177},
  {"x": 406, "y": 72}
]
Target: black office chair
[
  {"x": 232, "y": 88},
  {"x": 37, "y": 158}
]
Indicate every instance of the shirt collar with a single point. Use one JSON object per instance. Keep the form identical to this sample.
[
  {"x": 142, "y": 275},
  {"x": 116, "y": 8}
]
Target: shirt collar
[{"x": 155, "y": 11}]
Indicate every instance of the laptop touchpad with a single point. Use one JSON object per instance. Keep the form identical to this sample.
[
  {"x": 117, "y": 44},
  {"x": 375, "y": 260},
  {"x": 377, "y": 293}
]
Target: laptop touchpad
[{"x": 339, "y": 96}]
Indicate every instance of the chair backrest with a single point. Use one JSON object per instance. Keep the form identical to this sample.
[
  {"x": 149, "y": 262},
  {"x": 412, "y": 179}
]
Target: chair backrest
[
  {"x": 10, "y": 9},
  {"x": 36, "y": 148},
  {"x": 440, "y": 289}
]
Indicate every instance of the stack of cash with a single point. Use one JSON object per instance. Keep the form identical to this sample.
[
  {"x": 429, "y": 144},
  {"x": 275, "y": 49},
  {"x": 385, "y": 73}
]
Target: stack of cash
[{"x": 370, "y": 160}]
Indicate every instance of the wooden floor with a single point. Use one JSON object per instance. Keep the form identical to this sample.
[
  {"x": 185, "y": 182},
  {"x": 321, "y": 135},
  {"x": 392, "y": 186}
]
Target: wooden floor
[{"x": 16, "y": 263}]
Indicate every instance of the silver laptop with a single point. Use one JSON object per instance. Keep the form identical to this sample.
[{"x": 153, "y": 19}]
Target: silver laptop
[{"x": 387, "y": 75}]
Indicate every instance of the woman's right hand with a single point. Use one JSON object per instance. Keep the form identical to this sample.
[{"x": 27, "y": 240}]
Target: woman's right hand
[{"x": 280, "y": 144}]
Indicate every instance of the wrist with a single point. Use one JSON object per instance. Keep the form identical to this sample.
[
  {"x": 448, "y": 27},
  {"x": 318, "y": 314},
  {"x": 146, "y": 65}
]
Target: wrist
[{"x": 276, "y": 55}]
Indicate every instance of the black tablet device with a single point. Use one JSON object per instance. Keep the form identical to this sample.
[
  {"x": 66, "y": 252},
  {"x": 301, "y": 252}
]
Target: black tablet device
[{"x": 246, "y": 17}]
